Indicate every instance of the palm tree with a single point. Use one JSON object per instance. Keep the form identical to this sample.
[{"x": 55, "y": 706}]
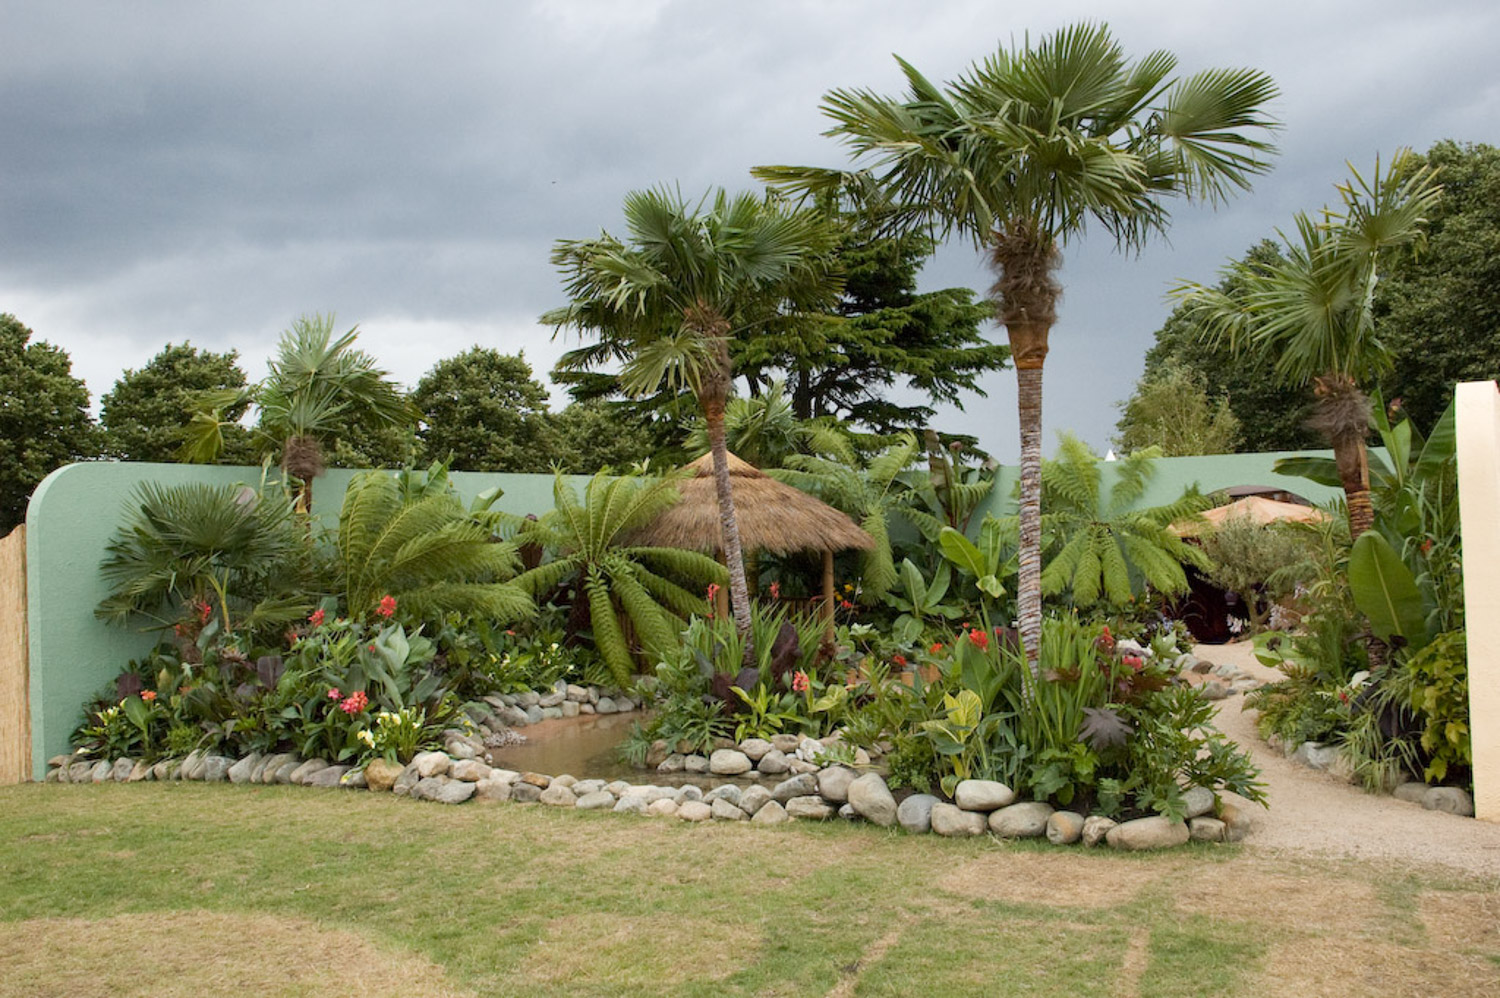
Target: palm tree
[
  {"x": 318, "y": 388},
  {"x": 1018, "y": 155},
  {"x": 1310, "y": 312},
  {"x": 689, "y": 279}
]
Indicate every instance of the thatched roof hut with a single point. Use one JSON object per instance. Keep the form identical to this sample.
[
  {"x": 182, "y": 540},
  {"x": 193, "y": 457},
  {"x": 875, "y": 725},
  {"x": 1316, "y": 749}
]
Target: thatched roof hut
[
  {"x": 772, "y": 516},
  {"x": 1255, "y": 509}
]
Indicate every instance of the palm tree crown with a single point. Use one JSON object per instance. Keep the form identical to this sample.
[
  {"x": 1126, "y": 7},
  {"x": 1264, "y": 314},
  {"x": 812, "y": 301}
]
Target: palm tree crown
[
  {"x": 669, "y": 299},
  {"x": 1019, "y": 155},
  {"x": 1310, "y": 313}
]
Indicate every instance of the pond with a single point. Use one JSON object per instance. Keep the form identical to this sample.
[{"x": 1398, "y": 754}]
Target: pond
[{"x": 587, "y": 747}]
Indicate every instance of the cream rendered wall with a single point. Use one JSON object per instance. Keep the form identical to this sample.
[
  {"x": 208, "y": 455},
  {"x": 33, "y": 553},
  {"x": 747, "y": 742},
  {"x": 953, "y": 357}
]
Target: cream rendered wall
[{"x": 1477, "y": 406}]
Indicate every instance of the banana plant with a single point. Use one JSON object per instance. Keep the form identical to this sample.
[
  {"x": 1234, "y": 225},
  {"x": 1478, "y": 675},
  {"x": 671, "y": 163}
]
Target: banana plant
[
  {"x": 961, "y": 736},
  {"x": 1387, "y": 593},
  {"x": 920, "y": 602}
]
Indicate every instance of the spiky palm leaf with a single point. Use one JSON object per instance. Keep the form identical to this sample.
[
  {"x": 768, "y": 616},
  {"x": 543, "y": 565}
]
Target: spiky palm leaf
[
  {"x": 869, "y": 495},
  {"x": 621, "y": 582},
  {"x": 1104, "y": 548},
  {"x": 419, "y": 544},
  {"x": 196, "y": 541}
]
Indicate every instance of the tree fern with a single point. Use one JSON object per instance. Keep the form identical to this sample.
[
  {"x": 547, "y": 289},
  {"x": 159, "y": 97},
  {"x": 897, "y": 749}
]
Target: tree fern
[{"x": 1101, "y": 548}]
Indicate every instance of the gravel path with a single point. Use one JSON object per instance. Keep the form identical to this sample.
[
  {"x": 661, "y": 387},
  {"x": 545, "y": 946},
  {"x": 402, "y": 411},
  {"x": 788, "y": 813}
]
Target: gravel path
[{"x": 1313, "y": 812}]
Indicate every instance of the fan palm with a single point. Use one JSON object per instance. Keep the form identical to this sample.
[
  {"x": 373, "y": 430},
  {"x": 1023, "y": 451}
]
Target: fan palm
[
  {"x": 671, "y": 298},
  {"x": 319, "y": 387},
  {"x": 1018, "y": 155},
  {"x": 222, "y": 546},
  {"x": 409, "y": 536},
  {"x": 1310, "y": 313},
  {"x": 621, "y": 581},
  {"x": 1107, "y": 547}
]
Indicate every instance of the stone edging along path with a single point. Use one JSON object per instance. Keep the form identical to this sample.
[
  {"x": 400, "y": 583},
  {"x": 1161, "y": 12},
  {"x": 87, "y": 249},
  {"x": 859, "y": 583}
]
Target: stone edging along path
[{"x": 814, "y": 792}]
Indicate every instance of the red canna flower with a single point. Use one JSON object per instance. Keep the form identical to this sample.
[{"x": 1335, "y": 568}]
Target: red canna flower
[
  {"x": 845, "y": 605},
  {"x": 898, "y": 659},
  {"x": 387, "y": 606},
  {"x": 1134, "y": 661},
  {"x": 800, "y": 682},
  {"x": 354, "y": 702},
  {"x": 317, "y": 617},
  {"x": 936, "y": 647},
  {"x": 979, "y": 639},
  {"x": 776, "y": 590},
  {"x": 711, "y": 591}
]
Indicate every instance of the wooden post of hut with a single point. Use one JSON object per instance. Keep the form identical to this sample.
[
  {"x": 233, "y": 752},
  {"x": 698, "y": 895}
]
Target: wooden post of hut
[{"x": 829, "y": 601}]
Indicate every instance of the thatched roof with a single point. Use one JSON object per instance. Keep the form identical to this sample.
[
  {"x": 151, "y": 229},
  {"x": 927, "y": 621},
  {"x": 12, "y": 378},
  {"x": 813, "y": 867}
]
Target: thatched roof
[
  {"x": 1256, "y": 509},
  {"x": 772, "y": 516}
]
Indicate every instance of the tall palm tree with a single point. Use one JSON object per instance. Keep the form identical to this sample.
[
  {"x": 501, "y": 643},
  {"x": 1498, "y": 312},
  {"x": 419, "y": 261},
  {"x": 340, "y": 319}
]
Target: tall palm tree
[
  {"x": 1018, "y": 155},
  {"x": 319, "y": 387},
  {"x": 671, "y": 298},
  {"x": 1310, "y": 313}
]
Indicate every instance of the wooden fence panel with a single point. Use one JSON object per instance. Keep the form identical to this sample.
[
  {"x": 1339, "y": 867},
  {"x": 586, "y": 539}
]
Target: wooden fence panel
[{"x": 15, "y": 680}]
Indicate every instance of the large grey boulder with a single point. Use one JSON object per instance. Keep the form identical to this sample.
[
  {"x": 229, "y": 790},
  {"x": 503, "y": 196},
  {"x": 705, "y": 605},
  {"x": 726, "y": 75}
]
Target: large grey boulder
[
  {"x": 722, "y": 810},
  {"x": 833, "y": 783},
  {"x": 1026, "y": 820},
  {"x": 729, "y": 762},
  {"x": 216, "y": 768},
  {"x": 872, "y": 800},
  {"x": 803, "y": 785},
  {"x": 1198, "y": 800},
  {"x": 915, "y": 813},
  {"x": 1064, "y": 828},
  {"x": 771, "y": 813},
  {"x": 600, "y": 800},
  {"x": 1155, "y": 832},
  {"x": 327, "y": 777},
  {"x": 811, "y": 807},
  {"x": 1453, "y": 800},
  {"x": 983, "y": 795},
  {"x": 241, "y": 771},
  {"x": 954, "y": 822},
  {"x": 753, "y": 798}
]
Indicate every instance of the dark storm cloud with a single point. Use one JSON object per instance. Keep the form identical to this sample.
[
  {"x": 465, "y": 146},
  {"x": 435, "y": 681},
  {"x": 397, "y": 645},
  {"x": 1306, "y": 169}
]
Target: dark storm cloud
[{"x": 172, "y": 171}]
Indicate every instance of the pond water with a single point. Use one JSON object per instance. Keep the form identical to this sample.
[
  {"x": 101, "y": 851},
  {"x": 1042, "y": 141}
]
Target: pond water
[{"x": 587, "y": 747}]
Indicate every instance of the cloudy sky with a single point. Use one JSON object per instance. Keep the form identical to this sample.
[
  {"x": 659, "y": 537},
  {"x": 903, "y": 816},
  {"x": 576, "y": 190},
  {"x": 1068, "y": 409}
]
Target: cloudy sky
[{"x": 207, "y": 172}]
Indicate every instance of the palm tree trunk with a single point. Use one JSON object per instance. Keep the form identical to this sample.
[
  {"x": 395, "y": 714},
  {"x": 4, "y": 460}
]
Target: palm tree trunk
[
  {"x": 1029, "y": 553},
  {"x": 729, "y": 526}
]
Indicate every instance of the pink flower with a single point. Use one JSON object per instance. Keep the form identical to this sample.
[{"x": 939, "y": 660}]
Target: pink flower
[
  {"x": 712, "y": 591},
  {"x": 317, "y": 617},
  {"x": 800, "y": 682},
  {"x": 354, "y": 703},
  {"x": 387, "y": 606},
  {"x": 334, "y": 693},
  {"x": 776, "y": 590}
]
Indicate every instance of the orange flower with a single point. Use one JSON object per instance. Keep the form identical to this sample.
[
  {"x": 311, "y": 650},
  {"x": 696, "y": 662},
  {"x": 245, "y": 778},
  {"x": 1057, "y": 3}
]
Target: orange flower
[{"x": 148, "y": 695}]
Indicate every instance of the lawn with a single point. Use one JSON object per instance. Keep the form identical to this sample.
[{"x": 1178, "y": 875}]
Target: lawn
[{"x": 183, "y": 889}]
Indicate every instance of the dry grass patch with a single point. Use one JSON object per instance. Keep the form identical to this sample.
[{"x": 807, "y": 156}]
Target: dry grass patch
[
  {"x": 189, "y": 954},
  {"x": 1071, "y": 879},
  {"x": 1361, "y": 968},
  {"x": 637, "y": 951},
  {"x": 1319, "y": 900}
]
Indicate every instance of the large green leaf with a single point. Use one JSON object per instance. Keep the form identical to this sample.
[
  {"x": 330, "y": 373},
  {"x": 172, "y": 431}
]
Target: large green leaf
[
  {"x": 961, "y": 552},
  {"x": 1386, "y": 592}
]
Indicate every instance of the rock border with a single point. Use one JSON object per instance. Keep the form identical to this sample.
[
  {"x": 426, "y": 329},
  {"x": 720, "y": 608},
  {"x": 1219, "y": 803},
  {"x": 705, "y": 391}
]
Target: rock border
[{"x": 817, "y": 792}]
